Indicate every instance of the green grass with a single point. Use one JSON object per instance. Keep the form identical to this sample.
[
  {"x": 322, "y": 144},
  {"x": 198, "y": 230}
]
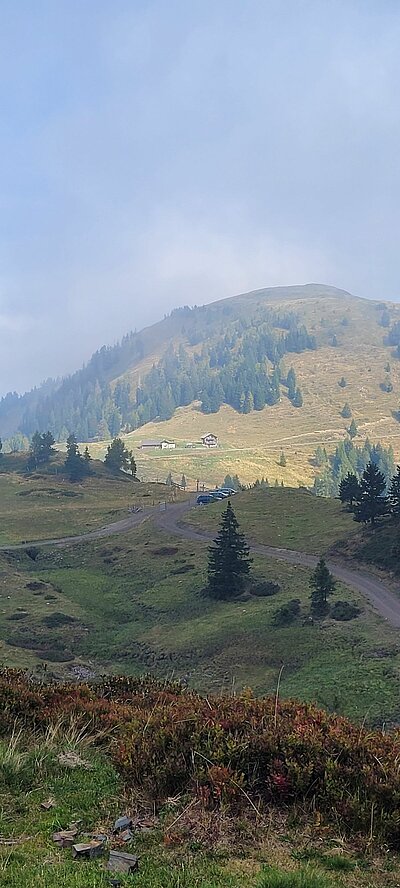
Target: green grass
[
  {"x": 46, "y": 505},
  {"x": 134, "y": 610},
  {"x": 283, "y": 517}
]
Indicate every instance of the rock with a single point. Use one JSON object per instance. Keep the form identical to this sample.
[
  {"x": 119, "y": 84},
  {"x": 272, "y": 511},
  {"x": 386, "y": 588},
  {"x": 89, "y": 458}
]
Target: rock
[
  {"x": 120, "y": 862},
  {"x": 65, "y": 838},
  {"x": 49, "y": 803},
  {"x": 126, "y": 835},
  {"x": 88, "y": 850},
  {"x": 73, "y": 760},
  {"x": 122, "y": 823}
]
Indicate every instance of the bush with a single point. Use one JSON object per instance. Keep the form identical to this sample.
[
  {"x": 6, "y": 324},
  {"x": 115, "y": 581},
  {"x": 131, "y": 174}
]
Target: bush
[
  {"x": 287, "y": 613},
  {"x": 264, "y": 589},
  {"x": 166, "y": 740},
  {"x": 57, "y": 619},
  {"x": 343, "y": 610}
]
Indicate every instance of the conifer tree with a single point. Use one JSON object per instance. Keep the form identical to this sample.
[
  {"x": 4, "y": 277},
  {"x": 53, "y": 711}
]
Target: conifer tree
[
  {"x": 353, "y": 429},
  {"x": 372, "y": 502},
  {"x": 76, "y": 466},
  {"x": 228, "y": 559},
  {"x": 117, "y": 456},
  {"x": 282, "y": 459},
  {"x": 394, "y": 495},
  {"x": 322, "y": 585},
  {"x": 346, "y": 411},
  {"x": 183, "y": 482},
  {"x": 297, "y": 399},
  {"x": 349, "y": 489}
]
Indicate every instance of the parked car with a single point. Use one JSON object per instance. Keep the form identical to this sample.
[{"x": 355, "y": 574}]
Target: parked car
[
  {"x": 205, "y": 498},
  {"x": 228, "y": 491}
]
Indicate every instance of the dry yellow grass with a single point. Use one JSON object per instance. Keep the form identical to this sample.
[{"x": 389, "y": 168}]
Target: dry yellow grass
[{"x": 250, "y": 445}]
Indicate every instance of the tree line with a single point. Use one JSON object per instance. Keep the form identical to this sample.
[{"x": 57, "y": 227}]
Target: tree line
[
  {"x": 239, "y": 363},
  {"x": 370, "y": 497},
  {"x": 353, "y": 459}
]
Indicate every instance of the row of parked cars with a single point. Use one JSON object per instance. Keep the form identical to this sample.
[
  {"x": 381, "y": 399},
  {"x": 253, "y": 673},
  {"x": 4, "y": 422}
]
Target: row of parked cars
[{"x": 210, "y": 496}]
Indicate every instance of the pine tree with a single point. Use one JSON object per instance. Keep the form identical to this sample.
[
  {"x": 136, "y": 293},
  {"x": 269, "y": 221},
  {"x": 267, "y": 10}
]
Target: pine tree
[
  {"x": 169, "y": 482},
  {"x": 349, "y": 489},
  {"x": 75, "y": 465},
  {"x": 394, "y": 496},
  {"x": 342, "y": 382},
  {"x": 282, "y": 459},
  {"x": 228, "y": 559},
  {"x": 372, "y": 502},
  {"x": 291, "y": 383},
  {"x": 346, "y": 411},
  {"x": 132, "y": 465},
  {"x": 297, "y": 399},
  {"x": 353, "y": 429},
  {"x": 183, "y": 482},
  {"x": 322, "y": 585},
  {"x": 117, "y": 456}
]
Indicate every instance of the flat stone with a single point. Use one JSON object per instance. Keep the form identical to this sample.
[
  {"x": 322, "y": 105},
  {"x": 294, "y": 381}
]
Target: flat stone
[
  {"x": 120, "y": 862},
  {"x": 88, "y": 850},
  {"x": 49, "y": 803},
  {"x": 65, "y": 838}
]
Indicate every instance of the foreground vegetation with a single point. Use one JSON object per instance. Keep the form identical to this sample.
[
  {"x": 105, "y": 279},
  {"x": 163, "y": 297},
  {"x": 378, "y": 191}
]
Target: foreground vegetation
[{"x": 222, "y": 791}]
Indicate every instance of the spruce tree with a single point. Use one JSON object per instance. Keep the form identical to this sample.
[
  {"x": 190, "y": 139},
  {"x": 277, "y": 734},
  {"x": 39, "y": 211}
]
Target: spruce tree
[
  {"x": 346, "y": 411},
  {"x": 372, "y": 502},
  {"x": 117, "y": 456},
  {"x": 322, "y": 585},
  {"x": 183, "y": 482},
  {"x": 297, "y": 399},
  {"x": 282, "y": 459},
  {"x": 349, "y": 489},
  {"x": 228, "y": 559},
  {"x": 353, "y": 429},
  {"x": 75, "y": 465},
  {"x": 394, "y": 496}
]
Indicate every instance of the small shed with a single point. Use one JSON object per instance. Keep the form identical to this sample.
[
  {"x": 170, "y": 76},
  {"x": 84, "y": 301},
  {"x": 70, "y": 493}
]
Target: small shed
[
  {"x": 167, "y": 445},
  {"x": 150, "y": 445},
  {"x": 209, "y": 440}
]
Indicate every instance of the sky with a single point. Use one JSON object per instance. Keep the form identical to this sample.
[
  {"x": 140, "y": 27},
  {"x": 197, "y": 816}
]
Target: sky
[{"x": 155, "y": 154}]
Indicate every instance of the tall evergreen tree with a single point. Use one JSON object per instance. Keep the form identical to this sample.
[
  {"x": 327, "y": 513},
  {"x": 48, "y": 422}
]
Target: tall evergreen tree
[
  {"x": 353, "y": 429},
  {"x": 394, "y": 495},
  {"x": 117, "y": 457},
  {"x": 322, "y": 585},
  {"x": 76, "y": 466},
  {"x": 228, "y": 559},
  {"x": 349, "y": 489},
  {"x": 346, "y": 411},
  {"x": 372, "y": 502}
]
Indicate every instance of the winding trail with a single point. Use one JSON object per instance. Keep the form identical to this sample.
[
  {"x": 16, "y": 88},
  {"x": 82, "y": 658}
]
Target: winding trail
[{"x": 380, "y": 596}]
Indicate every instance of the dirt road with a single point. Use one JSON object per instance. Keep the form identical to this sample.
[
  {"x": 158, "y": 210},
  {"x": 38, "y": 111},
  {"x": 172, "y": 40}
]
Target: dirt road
[{"x": 378, "y": 593}]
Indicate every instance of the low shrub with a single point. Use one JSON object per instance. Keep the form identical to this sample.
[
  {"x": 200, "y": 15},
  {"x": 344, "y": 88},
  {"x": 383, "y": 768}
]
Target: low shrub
[
  {"x": 287, "y": 613},
  {"x": 265, "y": 589},
  {"x": 225, "y": 750},
  {"x": 344, "y": 610}
]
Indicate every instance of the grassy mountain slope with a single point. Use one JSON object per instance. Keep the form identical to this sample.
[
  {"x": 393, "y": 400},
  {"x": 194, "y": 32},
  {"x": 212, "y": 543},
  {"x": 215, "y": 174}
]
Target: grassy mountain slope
[
  {"x": 350, "y": 344},
  {"x": 134, "y": 603},
  {"x": 250, "y": 444}
]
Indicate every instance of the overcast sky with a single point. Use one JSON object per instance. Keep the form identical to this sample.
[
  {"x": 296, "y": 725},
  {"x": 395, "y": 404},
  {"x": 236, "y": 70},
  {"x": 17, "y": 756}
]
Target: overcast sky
[{"x": 159, "y": 153}]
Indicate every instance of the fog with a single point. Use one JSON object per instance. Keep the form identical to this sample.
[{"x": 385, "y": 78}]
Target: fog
[{"x": 155, "y": 154}]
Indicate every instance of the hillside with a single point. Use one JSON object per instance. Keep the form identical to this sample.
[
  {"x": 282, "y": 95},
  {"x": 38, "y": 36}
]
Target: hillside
[
  {"x": 224, "y": 368},
  {"x": 133, "y": 602}
]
